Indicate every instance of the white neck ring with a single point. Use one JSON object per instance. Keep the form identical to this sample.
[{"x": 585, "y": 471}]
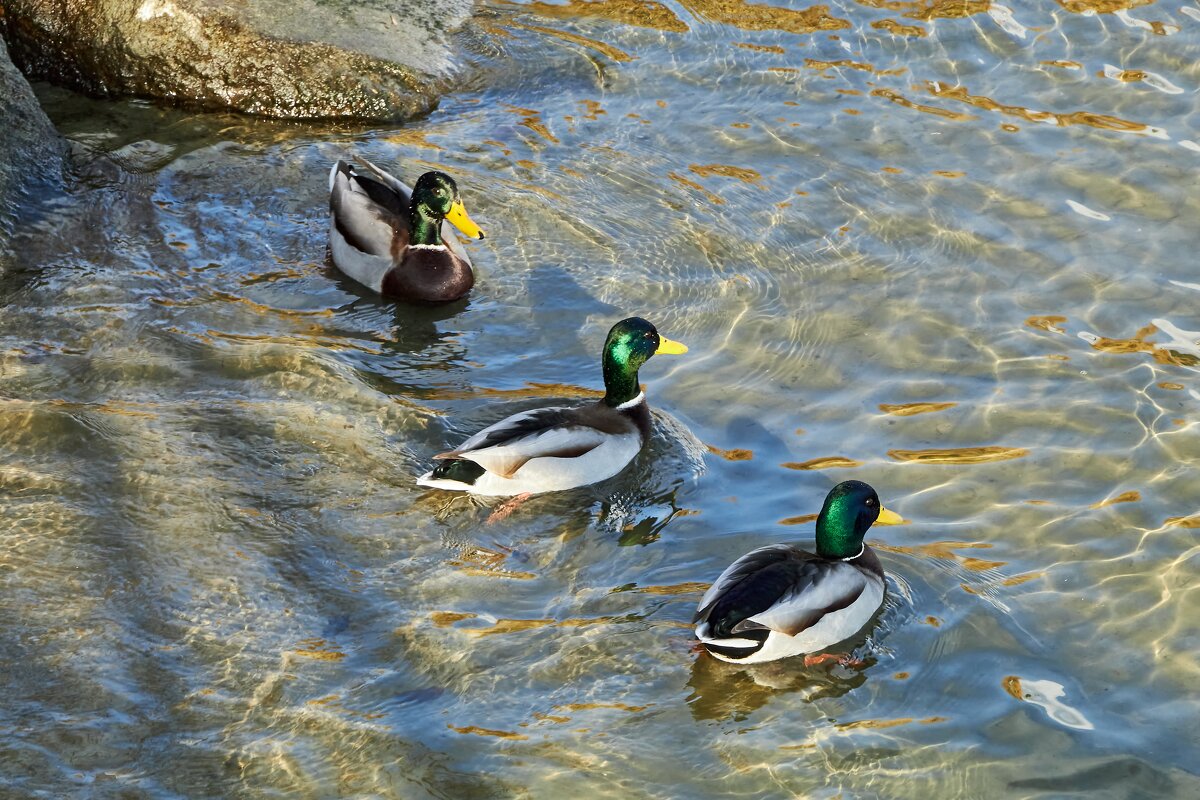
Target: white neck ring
[{"x": 631, "y": 403}]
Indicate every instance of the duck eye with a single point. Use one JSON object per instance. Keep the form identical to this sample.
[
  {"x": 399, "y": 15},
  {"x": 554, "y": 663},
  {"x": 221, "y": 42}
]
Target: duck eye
[{"x": 870, "y": 501}]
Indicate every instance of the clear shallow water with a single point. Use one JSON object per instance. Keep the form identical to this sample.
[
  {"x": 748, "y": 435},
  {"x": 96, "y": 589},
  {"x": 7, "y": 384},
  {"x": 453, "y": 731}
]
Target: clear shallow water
[{"x": 977, "y": 293}]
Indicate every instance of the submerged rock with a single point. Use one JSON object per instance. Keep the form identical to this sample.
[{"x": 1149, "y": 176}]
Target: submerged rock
[
  {"x": 30, "y": 149},
  {"x": 367, "y": 59}
]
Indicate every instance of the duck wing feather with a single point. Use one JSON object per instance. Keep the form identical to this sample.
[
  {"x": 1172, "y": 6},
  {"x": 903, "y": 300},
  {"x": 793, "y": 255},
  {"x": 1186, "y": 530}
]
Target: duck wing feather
[
  {"x": 369, "y": 214},
  {"x": 779, "y": 588},
  {"x": 557, "y": 432}
]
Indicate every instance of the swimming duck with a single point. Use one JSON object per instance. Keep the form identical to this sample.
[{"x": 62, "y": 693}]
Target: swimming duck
[
  {"x": 548, "y": 449},
  {"x": 395, "y": 240},
  {"x": 779, "y": 601}
]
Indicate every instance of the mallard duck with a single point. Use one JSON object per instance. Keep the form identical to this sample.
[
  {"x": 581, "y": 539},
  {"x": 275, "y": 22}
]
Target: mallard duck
[
  {"x": 548, "y": 449},
  {"x": 779, "y": 601},
  {"x": 395, "y": 240}
]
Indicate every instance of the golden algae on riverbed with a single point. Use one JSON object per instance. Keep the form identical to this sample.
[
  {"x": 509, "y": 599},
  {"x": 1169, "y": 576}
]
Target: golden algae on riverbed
[
  {"x": 1017, "y": 580},
  {"x": 639, "y": 13},
  {"x": 945, "y": 550},
  {"x": 1132, "y": 496},
  {"x": 899, "y": 99},
  {"x": 960, "y": 455},
  {"x": 735, "y": 454},
  {"x": 1137, "y": 343},
  {"x": 743, "y": 174},
  {"x": 484, "y": 571},
  {"x": 761, "y": 48},
  {"x": 1048, "y": 322},
  {"x": 912, "y": 409},
  {"x": 1101, "y": 6},
  {"x": 1061, "y": 64},
  {"x": 759, "y": 17},
  {"x": 501, "y": 627},
  {"x": 444, "y": 619},
  {"x": 681, "y": 180},
  {"x": 883, "y": 724},
  {"x": 319, "y": 649},
  {"x": 492, "y": 732},
  {"x": 574, "y": 38},
  {"x": 1062, "y": 120},
  {"x": 828, "y": 462},
  {"x": 841, "y": 62},
  {"x": 926, "y": 10},
  {"x": 691, "y": 587},
  {"x": 532, "y": 119},
  {"x": 601, "y": 705},
  {"x": 900, "y": 29}
]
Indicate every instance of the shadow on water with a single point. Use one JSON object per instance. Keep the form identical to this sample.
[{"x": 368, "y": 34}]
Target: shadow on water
[
  {"x": 416, "y": 328},
  {"x": 556, "y": 297},
  {"x": 722, "y": 691},
  {"x": 1121, "y": 776}
]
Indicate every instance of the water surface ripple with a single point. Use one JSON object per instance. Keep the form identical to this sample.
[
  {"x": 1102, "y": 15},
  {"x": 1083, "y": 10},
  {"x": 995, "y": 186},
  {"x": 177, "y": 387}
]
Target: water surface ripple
[{"x": 944, "y": 247}]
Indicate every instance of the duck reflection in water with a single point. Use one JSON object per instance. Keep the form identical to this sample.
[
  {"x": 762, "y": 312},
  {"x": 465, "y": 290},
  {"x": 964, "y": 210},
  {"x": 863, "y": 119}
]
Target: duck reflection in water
[{"x": 721, "y": 692}]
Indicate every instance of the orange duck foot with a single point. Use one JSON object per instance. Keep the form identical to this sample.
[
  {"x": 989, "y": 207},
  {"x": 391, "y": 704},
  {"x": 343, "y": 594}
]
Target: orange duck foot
[
  {"x": 838, "y": 658},
  {"x": 508, "y": 507}
]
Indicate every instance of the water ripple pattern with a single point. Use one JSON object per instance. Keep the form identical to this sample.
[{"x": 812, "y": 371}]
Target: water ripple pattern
[{"x": 943, "y": 247}]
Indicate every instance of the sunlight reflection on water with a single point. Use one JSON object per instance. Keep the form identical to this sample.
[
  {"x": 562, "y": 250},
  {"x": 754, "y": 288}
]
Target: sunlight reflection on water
[{"x": 942, "y": 247}]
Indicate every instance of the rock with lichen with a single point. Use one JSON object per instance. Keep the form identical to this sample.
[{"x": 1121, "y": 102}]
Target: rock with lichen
[{"x": 365, "y": 59}]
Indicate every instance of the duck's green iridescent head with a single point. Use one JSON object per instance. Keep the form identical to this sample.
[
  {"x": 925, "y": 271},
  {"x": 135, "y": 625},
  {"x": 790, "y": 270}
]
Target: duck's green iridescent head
[
  {"x": 850, "y": 509},
  {"x": 630, "y": 342},
  {"x": 434, "y": 198}
]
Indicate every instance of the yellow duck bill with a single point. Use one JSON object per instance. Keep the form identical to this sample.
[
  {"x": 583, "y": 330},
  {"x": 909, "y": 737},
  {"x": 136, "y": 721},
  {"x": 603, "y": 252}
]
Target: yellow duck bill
[
  {"x": 887, "y": 517},
  {"x": 669, "y": 347},
  {"x": 458, "y": 218}
]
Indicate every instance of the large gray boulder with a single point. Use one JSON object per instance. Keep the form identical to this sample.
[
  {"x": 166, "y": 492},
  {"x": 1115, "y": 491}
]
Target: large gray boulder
[
  {"x": 30, "y": 150},
  {"x": 366, "y": 59}
]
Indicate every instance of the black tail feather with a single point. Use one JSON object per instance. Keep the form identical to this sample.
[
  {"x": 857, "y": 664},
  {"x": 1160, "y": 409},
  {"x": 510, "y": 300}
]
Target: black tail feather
[
  {"x": 728, "y": 651},
  {"x": 458, "y": 469}
]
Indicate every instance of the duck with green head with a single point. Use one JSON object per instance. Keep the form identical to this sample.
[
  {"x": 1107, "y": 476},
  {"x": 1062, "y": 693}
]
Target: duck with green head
[
  {"x": 395, "y": 240},
  {"x": 548, "y": 449},
  {"x": 780, "y": 601}
]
